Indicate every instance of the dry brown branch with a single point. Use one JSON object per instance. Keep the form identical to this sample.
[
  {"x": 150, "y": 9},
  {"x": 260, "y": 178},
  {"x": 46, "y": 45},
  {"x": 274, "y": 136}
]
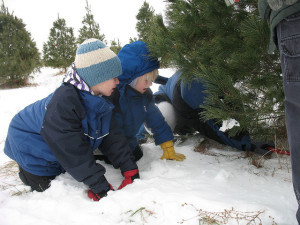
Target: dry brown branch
[
  {"x": 9, "y": 178},
  {"x": 144, "y": 213},
  {"x": 226, "y": 217}
]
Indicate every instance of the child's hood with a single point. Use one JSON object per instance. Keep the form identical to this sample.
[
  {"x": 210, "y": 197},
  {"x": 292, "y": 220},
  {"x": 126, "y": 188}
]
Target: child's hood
[{"x": 136, "y": 61}]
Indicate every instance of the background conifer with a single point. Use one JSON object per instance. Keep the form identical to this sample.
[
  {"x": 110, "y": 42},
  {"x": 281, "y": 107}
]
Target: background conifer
[
  {"x": 59, "y": 51},
  {"x": 18, "y": 52}
]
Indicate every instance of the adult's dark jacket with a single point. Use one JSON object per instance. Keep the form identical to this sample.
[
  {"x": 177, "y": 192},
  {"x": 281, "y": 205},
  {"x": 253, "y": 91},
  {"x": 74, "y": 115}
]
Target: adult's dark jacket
[
  {"x": 60, "y": 132},
  {"x": 187, "y": 99},
  {"x": 275, "y": 11}
]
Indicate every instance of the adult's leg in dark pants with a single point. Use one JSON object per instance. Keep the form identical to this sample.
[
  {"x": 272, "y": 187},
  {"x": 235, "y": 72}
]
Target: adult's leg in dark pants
[
  {"x": 288, "y": 34},
  {"x": 37, "y": 183}
]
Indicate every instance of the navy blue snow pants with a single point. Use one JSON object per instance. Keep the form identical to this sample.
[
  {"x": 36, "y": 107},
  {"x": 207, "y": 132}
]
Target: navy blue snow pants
[{"x": 288, "y": 34}]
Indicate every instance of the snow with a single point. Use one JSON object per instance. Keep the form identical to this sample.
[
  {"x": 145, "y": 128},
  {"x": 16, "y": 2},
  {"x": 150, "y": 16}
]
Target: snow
[
  {"x": 168, "y": 111},
  {"x": 229, "y": 2},
  {"x": 228, "y": 124},
  {"x": 204, "y": 187}
]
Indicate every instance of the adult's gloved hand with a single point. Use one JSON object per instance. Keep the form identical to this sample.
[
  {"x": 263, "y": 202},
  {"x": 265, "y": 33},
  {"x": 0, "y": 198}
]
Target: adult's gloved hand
[
  {"x": 129, "y": 176},
  {"x": 98, "y": 196},
  {"x": 169, "y": 152}
]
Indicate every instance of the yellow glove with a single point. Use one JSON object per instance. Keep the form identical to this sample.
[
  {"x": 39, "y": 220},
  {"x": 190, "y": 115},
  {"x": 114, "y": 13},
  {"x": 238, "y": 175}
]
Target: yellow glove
[{"x": 169, "y": 152}]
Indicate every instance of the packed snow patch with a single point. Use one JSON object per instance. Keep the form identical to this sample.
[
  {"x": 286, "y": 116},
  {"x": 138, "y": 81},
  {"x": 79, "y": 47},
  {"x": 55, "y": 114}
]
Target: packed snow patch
[
  {"x": 169, "y": 192},
  {"x": 228, "y": 124}
]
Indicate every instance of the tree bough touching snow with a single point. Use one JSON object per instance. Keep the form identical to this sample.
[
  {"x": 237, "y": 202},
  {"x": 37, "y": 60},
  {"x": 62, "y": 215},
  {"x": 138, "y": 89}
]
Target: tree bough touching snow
[{"x": 226, "y": 47}]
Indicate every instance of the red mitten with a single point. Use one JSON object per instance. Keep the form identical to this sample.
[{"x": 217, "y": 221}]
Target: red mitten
[
  {"x": 98, "y": 196},
  {"x": 129, "y": 177}
]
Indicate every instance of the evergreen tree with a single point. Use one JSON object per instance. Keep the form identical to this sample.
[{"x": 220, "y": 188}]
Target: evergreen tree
[
  {"x": 132, "y": 39},
  {"x": 18, "y": 52},
  {"x": 226, "y": 47},
  {"x": 144, "y": 18},
  {"x": 59, "y": 51},
  {"x": 151, "y": 29},
  {"x": 115, "y": 46},
  {"x": 90, "y": 28}
]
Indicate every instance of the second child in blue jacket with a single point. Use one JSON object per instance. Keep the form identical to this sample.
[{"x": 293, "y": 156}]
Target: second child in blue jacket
[{"x": 134, "y": 104}]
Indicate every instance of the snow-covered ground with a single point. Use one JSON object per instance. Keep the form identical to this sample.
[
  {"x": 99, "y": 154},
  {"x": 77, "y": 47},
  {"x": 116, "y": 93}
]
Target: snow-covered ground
[{"x": 220, "y": 185}]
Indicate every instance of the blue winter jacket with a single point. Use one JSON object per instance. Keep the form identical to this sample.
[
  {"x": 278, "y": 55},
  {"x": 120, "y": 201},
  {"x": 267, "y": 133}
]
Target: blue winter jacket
[
  {"x": 132, "y": 108},
  {"x": 193, "y": 95},
  {"x": 60, "y": 132}
]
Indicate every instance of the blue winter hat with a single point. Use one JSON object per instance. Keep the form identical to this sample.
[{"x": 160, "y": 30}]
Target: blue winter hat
[
  {"x": 136, "y": 61},
  {"x": 96, "y": 63}
]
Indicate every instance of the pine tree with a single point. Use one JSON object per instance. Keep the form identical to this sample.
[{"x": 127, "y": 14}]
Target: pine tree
[
  {"x": 226, "y": 47},
  {"x": 59, "y": 51},
  {"x": 18, "y": 52},
  {"x": 90, "y": 28},
  {"x": 131, "y": 39},
  {"x": 144, "y": 18},
  {"x": 151, "y": 30},
  {"x": 115, "y": 46}
]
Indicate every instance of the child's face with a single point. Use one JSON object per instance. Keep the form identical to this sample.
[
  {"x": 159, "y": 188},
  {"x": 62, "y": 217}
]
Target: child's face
[
  {"x": 142, "y": 84},
  {"x": 105, "y": 88}
]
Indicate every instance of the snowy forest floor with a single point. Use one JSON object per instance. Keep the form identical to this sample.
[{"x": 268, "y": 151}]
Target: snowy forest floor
[{"x": 218, "y": 186}]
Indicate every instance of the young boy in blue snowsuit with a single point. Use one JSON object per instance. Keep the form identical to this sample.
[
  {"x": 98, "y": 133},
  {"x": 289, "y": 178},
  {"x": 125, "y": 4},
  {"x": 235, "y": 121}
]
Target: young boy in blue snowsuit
[
  {"x": 186, "y": 99},
  {"x": 134, "y": 103},
  {"x": 60, "y": 132}
]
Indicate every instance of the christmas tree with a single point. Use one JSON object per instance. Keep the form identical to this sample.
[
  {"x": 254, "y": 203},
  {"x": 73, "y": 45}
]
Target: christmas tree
[
  {"x": 224, "y": 45},
  {"x": 18, "y": 52},
  {"x": 90, "y": 28},
  {"x": 144, "y": 18},
  {"x": 59, "y": 51}
]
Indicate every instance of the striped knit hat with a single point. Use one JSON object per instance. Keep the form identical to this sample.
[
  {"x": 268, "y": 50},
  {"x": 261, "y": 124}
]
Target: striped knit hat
[{"x": 96, "y": 63}]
